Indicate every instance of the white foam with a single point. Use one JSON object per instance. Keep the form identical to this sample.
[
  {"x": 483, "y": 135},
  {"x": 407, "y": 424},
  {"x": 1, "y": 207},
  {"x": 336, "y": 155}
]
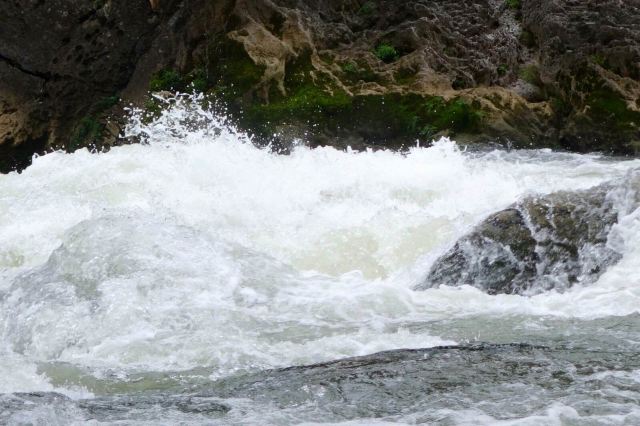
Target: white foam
[{"x": 201, "y": 249}]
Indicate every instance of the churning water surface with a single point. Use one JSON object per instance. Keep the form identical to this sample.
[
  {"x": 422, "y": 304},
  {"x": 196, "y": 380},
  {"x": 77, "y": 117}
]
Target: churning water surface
[{"x": 135, "y": 280}]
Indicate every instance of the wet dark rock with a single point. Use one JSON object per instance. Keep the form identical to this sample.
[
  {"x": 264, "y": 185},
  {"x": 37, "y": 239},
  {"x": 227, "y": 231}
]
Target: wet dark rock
[
  {"x": 61, "y": 63},
  {"x": 409, "y": 381},
  {"x": 385, "y": 383},
  {"x": 109, "y": 407},
  {"x": 540, "y": 243},
  {"x": 588, "y": 63},
  {"x": 423, "y": 384},
  {"x": 113, "y": 408}
]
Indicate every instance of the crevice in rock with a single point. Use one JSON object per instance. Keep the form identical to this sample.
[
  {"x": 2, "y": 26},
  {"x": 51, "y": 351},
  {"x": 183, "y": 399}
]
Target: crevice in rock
[{"x": 15, "y": 64}]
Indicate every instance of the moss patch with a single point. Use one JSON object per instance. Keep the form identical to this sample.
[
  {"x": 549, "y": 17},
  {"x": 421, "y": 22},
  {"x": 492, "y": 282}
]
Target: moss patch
[
  {"x": 386, "y": 53},
  {"x": 88, "y": 131},
  {"x": 304, "y": 104},
  {"x": 313, "y": 103},
  {"x": 166, "y": 79},
  {"x": 367, "y": 9},
  {"x": 457, "y": 114},
  {"x": 225, "y": 73},
  {"x": 560, "y": 106},
  {"x": 600, "y": 59},
  {"x": 106, "y": 103},
  {"x": 598, "y": 103},
  {"x": 376, "y": 118},
  {"x": 413, "y": 116},
  {"x": 602, "y": 116},
  {"x": 225, "y": 70},
  {"x": 349, "y": 68},
  {"x": 513, "y": 4},
  {"x": 530, "y": 74},
  {"x": 405, "y": 76},
  {"x": 235, "y": 74},
  {"x": 309, "y": 95},
  {"x": 527, "y": 38},
  {"x": 174, "y": 81},
  {"x": 354, "y": 73},
  {"x": 606, "y": 106}
]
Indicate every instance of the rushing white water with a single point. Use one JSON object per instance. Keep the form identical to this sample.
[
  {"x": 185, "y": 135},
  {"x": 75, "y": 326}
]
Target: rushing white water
[{"x": 200, "y": 250}]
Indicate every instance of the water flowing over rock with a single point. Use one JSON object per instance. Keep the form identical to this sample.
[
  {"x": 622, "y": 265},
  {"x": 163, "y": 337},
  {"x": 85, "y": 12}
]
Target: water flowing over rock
[
  {"x": 426, "y": 382},
  {"x": 389, "y": 383},
  {"x": 174, "y": 281},
  {"x": 105, "y": 409},
  {"x": 540, "y": 243}
]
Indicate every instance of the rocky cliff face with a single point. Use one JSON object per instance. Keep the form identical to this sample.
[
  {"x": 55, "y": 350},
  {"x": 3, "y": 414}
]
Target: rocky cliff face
[
  {"x": 556, "y": 73},
  {"x": 61, "y": 61}
]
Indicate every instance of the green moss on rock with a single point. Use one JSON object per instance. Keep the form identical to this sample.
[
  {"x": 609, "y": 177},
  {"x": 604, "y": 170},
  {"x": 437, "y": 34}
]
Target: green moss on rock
[
  {"x": 173, "y": 81},
  {"x": 367, "y": 9},
  {"x": 310, "y": 95},
  {"x": 513, "y": 4},
  {"x": 530, "y": 74},
  {"x": 349, "y": 68},
  {"x": 231, "y": 71},
  {"x": 226, "y": 71},
  {"x": 354, "y": 73},
  {"x": 313, "y": 103},
  {"x": 386, "y": 53},
  {"x": 608, "y": 107},
  {"x": 106, "y": 103},
  {"x": 167, "y": 79},
  {"x": 527, "y": 38},
  {"x": 376, "y": 118},
  {"x": 303, "y": 104},
  {"x": 457, "y": 115},
  {"x": 598, "y": 58},
  {"x": 405, "y": 76},
  {"x": 88, "y": 132}
]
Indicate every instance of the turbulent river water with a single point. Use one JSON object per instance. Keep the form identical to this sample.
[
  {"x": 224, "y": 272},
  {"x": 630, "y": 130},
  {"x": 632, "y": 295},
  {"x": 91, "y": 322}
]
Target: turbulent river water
[{"x": 169, "y": 282}]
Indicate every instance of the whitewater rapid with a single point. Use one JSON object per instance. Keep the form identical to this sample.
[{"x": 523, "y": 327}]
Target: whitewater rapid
[{"x": 200, "y": 250}]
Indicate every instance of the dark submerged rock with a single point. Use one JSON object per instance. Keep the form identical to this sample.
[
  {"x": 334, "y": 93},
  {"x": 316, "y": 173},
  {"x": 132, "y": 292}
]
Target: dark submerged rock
[
  {"x": 404, "y": 381},
  {"x": 394, "y": 383},
  {"x": 540, "y": 243},
  {"x": 115, "y": 408}
]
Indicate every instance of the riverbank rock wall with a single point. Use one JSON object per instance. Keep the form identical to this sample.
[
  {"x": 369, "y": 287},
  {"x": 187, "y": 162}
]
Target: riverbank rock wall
[{"x": 522, "y": 73}]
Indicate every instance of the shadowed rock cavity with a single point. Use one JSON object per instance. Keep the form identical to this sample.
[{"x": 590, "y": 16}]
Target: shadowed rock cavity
[{"x": 539, "y": 243}]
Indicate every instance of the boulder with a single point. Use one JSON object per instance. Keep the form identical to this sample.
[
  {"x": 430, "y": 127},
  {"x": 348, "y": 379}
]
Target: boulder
[{"x": 539, "y": 243}]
